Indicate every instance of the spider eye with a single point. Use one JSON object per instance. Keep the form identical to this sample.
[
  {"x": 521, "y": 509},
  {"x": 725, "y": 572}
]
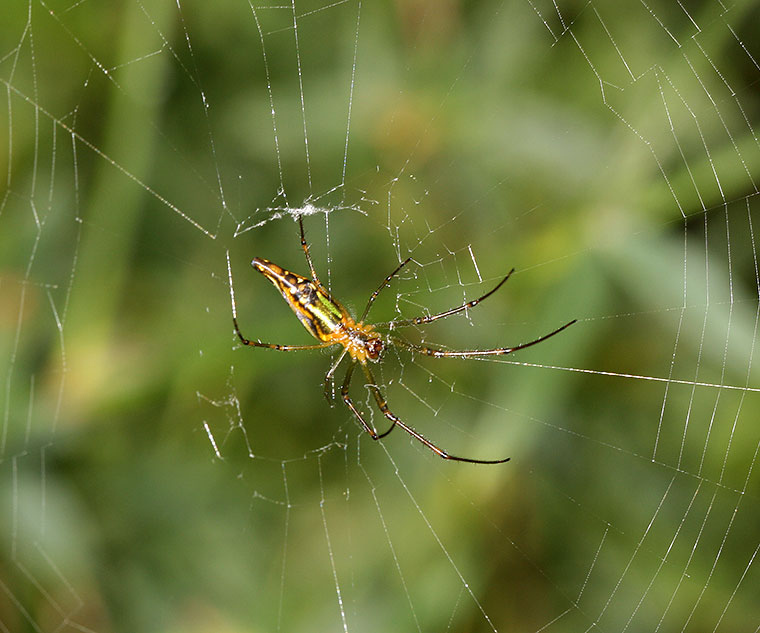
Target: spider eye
[{"x": 374, "y": 347}]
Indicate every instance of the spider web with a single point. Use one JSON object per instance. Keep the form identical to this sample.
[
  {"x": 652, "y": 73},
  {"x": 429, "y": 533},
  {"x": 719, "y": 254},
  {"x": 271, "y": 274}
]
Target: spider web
[{"x": 154, "y": 475}]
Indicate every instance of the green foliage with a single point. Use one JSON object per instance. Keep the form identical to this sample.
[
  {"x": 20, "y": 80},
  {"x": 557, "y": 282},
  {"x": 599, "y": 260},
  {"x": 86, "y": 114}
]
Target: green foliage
[{"x": 609, "y": 155}]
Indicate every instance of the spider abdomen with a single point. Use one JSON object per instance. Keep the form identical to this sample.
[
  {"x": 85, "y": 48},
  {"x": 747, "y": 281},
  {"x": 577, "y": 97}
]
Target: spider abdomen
[{"x": 316, "y": 310}]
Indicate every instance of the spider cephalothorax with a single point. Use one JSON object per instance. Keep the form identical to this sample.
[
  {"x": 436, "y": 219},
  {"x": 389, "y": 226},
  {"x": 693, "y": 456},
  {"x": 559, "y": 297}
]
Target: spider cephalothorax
[{"x": 329, "y": 322}]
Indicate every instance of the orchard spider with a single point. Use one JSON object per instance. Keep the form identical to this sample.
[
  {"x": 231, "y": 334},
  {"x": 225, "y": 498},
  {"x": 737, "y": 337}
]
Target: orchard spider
[{"x": 329, "y": 322}]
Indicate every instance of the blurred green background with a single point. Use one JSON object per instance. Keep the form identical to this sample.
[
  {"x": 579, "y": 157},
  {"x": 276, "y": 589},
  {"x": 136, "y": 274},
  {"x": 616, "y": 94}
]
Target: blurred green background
[{"x": 154, "y": 476}]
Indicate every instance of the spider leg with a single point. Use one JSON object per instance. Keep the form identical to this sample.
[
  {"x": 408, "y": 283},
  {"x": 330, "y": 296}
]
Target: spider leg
[
  {"x": 330, "y": 373},
  {"x": 305, "y": 247},
  {"x": 382, "y": 285},
  {"x": 443, "y": 353},
  {"x": 350, "y": 404},
  {"x": 281, "y": 348},
  {"x": 372, "y": 384},
  {"x": 395, "y": 421},
  {"x": 441, "y": 315}
]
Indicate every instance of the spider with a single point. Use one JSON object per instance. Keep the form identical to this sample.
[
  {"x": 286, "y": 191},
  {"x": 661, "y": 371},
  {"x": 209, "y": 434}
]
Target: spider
[{"x": 329, "y": 322}]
